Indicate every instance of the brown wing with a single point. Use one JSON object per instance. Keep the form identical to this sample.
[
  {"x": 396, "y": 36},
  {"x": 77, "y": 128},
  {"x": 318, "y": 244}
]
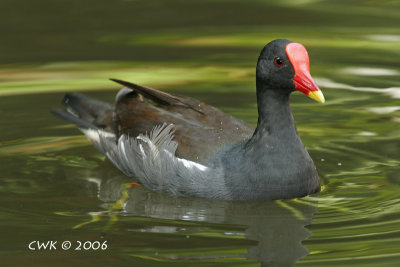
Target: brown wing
[{"x": 201, "y": 130}]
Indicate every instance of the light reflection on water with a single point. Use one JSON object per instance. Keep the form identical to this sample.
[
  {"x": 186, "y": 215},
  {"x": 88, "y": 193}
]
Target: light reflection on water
[
  {"x": 393, "y": 92},
  {"x": 358, "y": 210},
  {"x": 55, "y": 186}
]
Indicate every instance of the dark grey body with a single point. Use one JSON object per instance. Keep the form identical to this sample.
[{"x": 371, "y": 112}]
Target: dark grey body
[
  {"x": 274, "y": 163},
  {"x": 236, "y": 161}
]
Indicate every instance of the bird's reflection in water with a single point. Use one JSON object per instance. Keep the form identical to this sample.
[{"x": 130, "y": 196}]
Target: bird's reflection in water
[{"x": 278, "y": 227}]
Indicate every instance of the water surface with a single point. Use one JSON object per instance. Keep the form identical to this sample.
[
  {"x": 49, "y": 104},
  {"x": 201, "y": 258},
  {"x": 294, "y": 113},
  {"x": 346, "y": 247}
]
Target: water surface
[{"x": 55, "y": 186}]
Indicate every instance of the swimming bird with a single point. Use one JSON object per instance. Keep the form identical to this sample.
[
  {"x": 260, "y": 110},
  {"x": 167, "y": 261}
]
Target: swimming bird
[{"x": 178, "y": 145}]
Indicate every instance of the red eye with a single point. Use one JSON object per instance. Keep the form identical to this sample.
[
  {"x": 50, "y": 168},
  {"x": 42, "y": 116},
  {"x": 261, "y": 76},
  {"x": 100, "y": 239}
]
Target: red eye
[{"x": 278, "y": 62}]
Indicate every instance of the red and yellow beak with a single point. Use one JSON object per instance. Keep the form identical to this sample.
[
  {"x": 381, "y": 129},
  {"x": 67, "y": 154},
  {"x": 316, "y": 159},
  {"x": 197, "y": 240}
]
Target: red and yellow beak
[{"x": 303, "y": 81}]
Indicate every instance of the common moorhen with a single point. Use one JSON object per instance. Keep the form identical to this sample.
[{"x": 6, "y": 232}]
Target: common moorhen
[{"x": 178, "y": 145}]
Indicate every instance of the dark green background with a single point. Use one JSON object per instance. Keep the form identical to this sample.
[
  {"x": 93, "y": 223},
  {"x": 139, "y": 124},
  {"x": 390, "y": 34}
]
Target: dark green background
[{"x": 55, "y": 186}]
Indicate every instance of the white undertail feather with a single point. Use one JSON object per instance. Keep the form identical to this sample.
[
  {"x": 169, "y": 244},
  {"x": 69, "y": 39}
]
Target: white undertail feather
[{"x": 151, "y": 160}]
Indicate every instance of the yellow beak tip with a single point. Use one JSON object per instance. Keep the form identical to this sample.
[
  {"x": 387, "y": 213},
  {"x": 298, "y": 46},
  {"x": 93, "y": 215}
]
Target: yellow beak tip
[{"x": 317, "y": 96}]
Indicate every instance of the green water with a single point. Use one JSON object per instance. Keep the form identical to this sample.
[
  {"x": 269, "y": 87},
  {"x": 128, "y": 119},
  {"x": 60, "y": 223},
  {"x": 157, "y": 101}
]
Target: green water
[{"x": 55, "y": 186}]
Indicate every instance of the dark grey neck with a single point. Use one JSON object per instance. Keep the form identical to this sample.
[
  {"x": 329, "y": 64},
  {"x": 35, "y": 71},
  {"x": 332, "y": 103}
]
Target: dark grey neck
[
  {"x": 274, "y": 117},
  {"x": 273, "y": 163}
]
